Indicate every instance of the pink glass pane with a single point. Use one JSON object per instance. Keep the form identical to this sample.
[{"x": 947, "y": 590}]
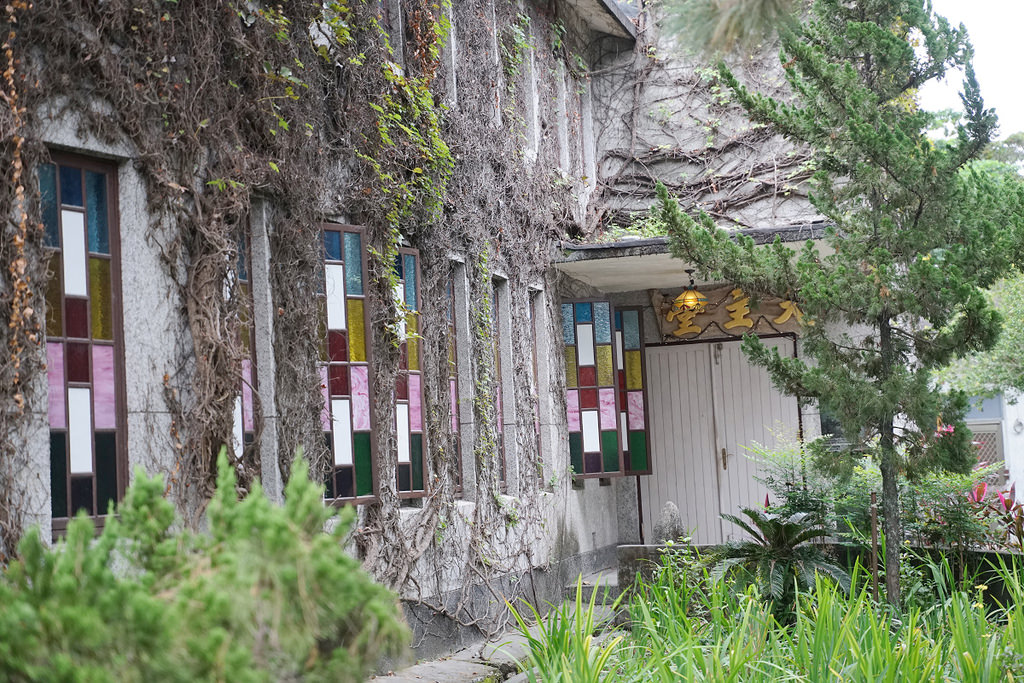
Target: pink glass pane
[
  {"x": 248, "y": 422},
  {"x": 415, "y": 404},
  {"x": 360, "y": 398},
  {"x": 636, "y": 409},
  {"x": 325, "y": 414},
  {"x": 55, "y": 377},
  {"x": 455, "y": 405},
  {"x": 104, "y": 406},
  {"x": 607, "y": 403},
  {"x": 572, "y": 402}
]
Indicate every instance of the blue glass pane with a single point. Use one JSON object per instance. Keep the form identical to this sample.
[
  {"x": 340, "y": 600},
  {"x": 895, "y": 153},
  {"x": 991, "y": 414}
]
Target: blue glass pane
[
  {"x": 332, "y": 245},
  {"x": 568, "y": 325},
  {"x": 353, "y": 264},
  {"x": 48, "y": 202},
  {"x": 631, "y": 330},
  {"x": 602, "y": 323},
  {"x": 96, "y": 213},
  {"x": 243, "y": 270},
  {"x": 398, "y": 266},
  {"x": 410, "y": 281},
  {"x": 584, "y": 313},
  {"x": 618, "y": 320},
  {"x": 71, "y": 186}
]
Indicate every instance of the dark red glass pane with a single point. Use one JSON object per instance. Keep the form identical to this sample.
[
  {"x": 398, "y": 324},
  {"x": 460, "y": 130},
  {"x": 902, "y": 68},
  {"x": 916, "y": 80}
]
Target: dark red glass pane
[
  {"x": 588, "y": 398},
  {"x": 403, "y": 358},
  {"x": 337, "y": 346},
  {"x": 339, "y": 380},
  {"x": 592, "y": 462},
  {"x": 77, "y": 362},
  {"x": 76, "y": 315},
  {"x": 588, "y": 376},
  {"x": 402, "y": 386}
]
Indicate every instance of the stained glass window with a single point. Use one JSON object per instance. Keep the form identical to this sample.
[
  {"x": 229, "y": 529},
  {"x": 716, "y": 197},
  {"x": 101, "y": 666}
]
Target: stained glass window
[
  {"x": 632, "y": 394},
  {"x": 499, "y": 412},
  {"x": 595, "y": 448},
  {"x": 245, "y": 408},
  {"x": 347, "y": 418},
  {"x": 83, "y": 337},
  {"x": 408, "y": 385},
  {"x": 453, "y": 382}
]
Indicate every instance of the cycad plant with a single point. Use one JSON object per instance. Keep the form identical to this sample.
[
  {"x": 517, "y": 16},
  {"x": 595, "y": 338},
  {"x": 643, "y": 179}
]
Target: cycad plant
[{"x": 778, "y": 558}]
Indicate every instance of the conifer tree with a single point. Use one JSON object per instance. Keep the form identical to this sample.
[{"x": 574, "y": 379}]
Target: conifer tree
[{"x": 894, "y": 290}]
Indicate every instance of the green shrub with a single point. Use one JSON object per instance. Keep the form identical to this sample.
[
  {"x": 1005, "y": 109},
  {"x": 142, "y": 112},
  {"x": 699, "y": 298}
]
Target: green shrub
[{"x": 264, "y": 595}]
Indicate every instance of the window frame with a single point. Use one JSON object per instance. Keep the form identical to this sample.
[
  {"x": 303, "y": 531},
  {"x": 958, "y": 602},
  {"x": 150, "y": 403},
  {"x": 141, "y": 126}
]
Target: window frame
[{"x": 109, "y": 169}]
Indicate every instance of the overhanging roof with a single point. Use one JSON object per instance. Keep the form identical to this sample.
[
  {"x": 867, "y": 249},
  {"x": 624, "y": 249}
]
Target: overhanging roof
[
  {"x": 637, "y": 264},
  {"x": 605, "y": 16}
]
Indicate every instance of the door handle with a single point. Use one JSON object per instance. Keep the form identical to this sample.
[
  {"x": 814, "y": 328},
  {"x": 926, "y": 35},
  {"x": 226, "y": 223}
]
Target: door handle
[{"x": 725, "y": 459}]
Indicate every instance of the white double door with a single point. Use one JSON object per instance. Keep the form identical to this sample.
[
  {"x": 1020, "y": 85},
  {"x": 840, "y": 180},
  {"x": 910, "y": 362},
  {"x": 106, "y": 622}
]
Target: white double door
[{"x": 707, "y": 406}]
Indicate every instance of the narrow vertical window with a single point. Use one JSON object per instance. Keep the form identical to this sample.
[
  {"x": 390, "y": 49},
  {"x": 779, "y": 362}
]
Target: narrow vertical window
[
  {"x": 536, "y": 300},
  {"x": 453, "y": 382},
  {"x": 347, "y": 417},
  {"x": 408, "y": 384},
  {"x": 245, "y": 408},
  {"x": 590, "y": 360},
  {"x": 499, "y": 408},
  {"x": 632, "y": 392},
  {"x": 84, "y": 345}
]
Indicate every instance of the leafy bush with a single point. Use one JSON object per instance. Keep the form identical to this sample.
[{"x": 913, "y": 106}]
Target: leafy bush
[{"x": 265, "y": 595}]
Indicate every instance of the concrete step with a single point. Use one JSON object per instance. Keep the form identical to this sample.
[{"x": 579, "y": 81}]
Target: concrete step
[{"x": 604, "y": 581}]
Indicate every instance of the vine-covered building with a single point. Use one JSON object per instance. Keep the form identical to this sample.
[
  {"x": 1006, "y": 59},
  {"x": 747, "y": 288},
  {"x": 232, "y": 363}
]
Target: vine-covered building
[{"x": 360, "y": 234}]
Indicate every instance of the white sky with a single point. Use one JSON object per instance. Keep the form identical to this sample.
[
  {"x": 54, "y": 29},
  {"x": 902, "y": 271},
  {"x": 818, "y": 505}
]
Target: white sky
[{"x": 995, "y": 29}]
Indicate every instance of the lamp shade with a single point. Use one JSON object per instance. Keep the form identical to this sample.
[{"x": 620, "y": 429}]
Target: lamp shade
[{"x": 692, "y": 300}]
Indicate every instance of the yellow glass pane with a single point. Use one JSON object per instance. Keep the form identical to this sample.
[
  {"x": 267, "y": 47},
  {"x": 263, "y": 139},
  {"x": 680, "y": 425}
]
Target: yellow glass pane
[
  {"x": 634, "y": 373},
  {"x": 570, "y": 366},
  {"x": 54, "y": 307},
  {"x": 356, "y": 331},
  {"x": 605, "y": 376},
  {"x": 100, "y": 298},
  {"x": 413, "y": 345}
]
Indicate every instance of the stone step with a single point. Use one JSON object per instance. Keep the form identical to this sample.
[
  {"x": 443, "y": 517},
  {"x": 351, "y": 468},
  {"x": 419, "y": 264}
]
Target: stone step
[{"x": 604, "y": 581}]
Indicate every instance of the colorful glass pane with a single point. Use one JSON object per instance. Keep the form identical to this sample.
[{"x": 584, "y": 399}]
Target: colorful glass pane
[
  {"x": 54, "y": 291},
  {"x": 602, "y": 323},
  {"x": 634, "y": 372},
  {"x": 410, "y": 281},
  {"x": 357, "y": 334},
  {"x": 364, "y": 466},
  {"x": 332, "y": 245},
  {"x": 584, "y": 313},
  {"x": 76, "y": 317},
  {"x": 570, "y": 366},
  {"x": 96, "y": 212},
  {"x": 413, "y": 342},
  {"x": 103, "y": 396},
  {"x": 605, "y": 372},
  {"x": 354, "y": 264},
  {"x": 568, "y": 325},
  {"x": 48, "y": 203},
  {"x": 55, "y": 381},
  {"x": 610, "y": 450},
  {"x": 631, "y": 329},
  {"x": 71, "y": 186}
]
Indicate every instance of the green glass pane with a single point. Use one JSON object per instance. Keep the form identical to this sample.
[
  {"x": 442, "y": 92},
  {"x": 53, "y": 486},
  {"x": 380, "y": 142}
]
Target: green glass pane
[
  {"x": 54, "y": 290},
  {"x": 58, "y": 474},
  {"x": 364, "y": 466},
  {"x": 353, "y": 263},
  {"x": 576, "y": 451},
  {"x": 610, "y": 450},
  {"x": 416, "y": 442},
  {"x": 638, "y": 451},
  {"x": 100, "y": 298}
]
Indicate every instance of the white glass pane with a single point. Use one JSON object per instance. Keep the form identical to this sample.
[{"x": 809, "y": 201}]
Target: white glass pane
[
  {"x": 585, "y": 344},
  {"x": 622, "y": 431},
  {"x": 402, "y": 417},
  {"x": 591, "y": 432},
  {"x": 238, "y": 436},
  {"x": 80, "y": 429},
  {"x": 335, "y": 283},
  {"x": 342, "y": 428},
  {"x": 75, "y": 282},
  {"x": 618, "y": 350}
]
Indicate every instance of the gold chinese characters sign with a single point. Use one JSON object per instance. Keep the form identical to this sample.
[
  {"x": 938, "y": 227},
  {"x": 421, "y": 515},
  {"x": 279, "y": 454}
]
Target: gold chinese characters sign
[{"x": 729, "y": 312}]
